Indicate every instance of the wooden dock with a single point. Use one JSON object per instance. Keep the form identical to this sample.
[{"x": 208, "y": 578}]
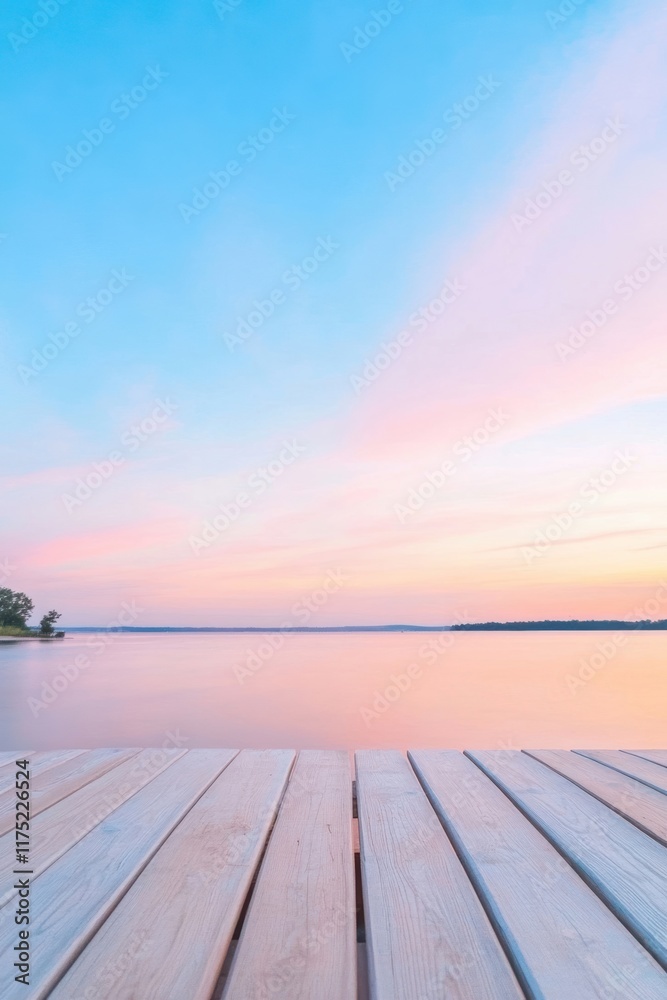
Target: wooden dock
[{"x": 270, "y": 875}]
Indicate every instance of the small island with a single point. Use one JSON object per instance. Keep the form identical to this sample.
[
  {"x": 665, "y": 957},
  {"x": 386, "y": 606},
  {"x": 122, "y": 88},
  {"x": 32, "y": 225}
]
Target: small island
[{"x": 15, "y": 610}]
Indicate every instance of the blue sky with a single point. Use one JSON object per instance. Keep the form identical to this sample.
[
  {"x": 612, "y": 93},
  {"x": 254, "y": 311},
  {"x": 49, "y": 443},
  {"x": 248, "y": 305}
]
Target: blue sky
[{"x": 323, "y": 175}]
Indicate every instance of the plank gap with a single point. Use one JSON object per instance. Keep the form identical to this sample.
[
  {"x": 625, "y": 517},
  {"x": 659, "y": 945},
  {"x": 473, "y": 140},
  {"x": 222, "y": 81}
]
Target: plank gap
[
  {"x": 253, "y": 882},
  {"x": 224, "y": 971},
  {"x": 359, "y": 896},
  {"x": 591, "y": 882},
  {"x": 475, "y": 881},
  {"x": 363, "y": 985},
  {"x": 233, "y": 944},
  {"x": 603, "y": 794}
]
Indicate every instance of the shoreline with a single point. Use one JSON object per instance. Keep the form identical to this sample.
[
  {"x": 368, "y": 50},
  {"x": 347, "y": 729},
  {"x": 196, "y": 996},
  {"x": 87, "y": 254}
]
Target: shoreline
[{"x": 31, "y": 638}]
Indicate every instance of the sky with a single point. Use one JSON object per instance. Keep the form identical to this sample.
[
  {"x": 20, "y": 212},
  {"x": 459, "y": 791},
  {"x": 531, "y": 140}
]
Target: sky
[{"x": 334, "y": 313}]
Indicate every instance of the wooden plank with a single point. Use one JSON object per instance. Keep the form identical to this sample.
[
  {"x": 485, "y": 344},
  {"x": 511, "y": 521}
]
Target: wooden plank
[
  {"x": 58, "y": 781},
  {"x": 563, "y": 940},
  {"x": 426, "y": 932},
  {"x": 64, "y": 918},
  {"x": 299, "y": 935},
  {"x": 655, "y": 756},
  {"x": 11, "y": 756},
  {"x": 167, "y": 937},
  {"x": 39, "y": 762},
  {"x": 643, "y": 770},
  {"x": 643, "y": 806},
  {"x": 627, "y": 869},
  {"x": 61, "y": 826}
]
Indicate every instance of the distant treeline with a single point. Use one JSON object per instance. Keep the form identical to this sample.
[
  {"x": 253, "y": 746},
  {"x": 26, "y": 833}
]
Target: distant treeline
[{"x": 573, "y": 625}]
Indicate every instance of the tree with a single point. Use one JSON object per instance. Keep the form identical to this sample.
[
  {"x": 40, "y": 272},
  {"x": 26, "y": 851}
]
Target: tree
[
  {"x": 15, "y": 608},
  {"x": 47, "y": 622}
]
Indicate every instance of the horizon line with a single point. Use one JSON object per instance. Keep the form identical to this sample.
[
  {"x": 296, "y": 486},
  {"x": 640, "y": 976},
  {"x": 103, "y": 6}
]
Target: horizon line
[{"x": 544, "y": 623}]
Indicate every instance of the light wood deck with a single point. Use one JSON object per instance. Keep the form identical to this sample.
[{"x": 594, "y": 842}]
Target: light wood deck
[{"x": 227, "y": 875}]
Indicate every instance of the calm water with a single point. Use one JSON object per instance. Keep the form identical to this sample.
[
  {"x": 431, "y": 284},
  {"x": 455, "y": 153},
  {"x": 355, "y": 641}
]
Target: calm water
[{"x": 333, "y": 690}]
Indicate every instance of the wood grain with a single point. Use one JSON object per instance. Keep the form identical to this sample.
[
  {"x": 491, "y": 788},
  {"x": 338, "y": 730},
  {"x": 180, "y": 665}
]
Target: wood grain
[
  {"x": 112, "y": 856},
  {"x": 51, "y": 784},
  {"x": 39, "y": 762},
  {"x": 627, "y": 868},
  {"x": 167, "y": 937},
  {"x": 299, "y": 935},
  {"x": 61, "y": 826},
  {"x": 564, "y": 941},
  {"x": 9, "y": 757},
  {"x": 556, "y": 859},
  {"x": 656, "y": 756},
  {"x": 643, "y": 806},
  {"x": 427, "y": 935},
  {"x": 643, "y": 770}
]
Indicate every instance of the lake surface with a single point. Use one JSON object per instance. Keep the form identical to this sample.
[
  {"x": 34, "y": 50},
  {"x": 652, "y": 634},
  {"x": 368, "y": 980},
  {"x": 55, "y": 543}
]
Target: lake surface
[{"x": 456, "y": 690}]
